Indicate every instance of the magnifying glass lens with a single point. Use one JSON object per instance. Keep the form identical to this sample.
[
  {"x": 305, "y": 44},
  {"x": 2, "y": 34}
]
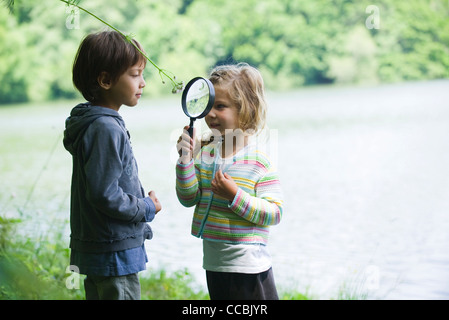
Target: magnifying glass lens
[{"x": 197, "y": 98}]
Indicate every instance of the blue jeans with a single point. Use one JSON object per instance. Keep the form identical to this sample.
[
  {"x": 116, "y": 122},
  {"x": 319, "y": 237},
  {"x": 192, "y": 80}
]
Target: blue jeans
[{"x": 112, "y": 288}]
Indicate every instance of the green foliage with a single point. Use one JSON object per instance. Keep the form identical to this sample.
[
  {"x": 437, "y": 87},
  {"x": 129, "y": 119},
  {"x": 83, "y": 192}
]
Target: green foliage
[
  {"x": 6, "y": 229},
  {"x": 35, "y": 269},
  {"x": 293, "y": 42},
  {"x": 31, "y": 270},
  {"x": 177, "y": 286},
  {"x": 164, "y": 74}
]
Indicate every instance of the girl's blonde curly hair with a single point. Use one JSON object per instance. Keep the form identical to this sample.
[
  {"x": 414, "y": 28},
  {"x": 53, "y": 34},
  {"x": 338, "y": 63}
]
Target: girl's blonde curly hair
[{"x": 246, "y": 88}]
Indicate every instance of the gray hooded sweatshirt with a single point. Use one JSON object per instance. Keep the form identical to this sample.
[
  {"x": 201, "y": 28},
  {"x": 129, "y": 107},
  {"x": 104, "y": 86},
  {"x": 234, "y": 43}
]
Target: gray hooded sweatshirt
[{"x": 108, "y": 210}]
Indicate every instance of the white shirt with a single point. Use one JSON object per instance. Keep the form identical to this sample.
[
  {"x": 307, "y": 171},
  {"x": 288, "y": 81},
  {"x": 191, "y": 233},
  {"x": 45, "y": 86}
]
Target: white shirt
[{"x": 239, "y": 258}]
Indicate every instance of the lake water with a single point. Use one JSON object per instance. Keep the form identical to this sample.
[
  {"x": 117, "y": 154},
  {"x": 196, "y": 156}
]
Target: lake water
[
  {"x": 366, "y": 180},
  {"x": 367, "y": 188}
]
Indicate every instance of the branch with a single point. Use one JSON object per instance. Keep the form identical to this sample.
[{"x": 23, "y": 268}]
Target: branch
[
  {"x": 177, "y": 86},
  {"x": 9, "y": 4}
]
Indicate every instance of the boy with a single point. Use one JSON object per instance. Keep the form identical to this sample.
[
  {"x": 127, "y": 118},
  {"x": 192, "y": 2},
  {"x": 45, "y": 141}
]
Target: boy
[{"x": 109, "y": 209}]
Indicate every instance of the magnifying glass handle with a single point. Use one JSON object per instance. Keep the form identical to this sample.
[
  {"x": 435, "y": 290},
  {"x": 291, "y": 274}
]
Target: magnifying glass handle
[{"x": 190, "y": 131}]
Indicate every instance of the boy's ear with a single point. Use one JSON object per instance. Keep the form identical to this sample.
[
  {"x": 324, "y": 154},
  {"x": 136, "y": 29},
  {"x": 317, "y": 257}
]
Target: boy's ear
[{"x": 104, "y": 80}]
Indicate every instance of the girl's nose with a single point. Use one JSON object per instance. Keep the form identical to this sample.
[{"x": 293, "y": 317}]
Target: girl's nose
[{"x": 211, "y": 113}]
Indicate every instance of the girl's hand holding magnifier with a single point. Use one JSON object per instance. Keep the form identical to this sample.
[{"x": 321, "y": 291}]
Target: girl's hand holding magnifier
[{"x": 185, "y": 146}]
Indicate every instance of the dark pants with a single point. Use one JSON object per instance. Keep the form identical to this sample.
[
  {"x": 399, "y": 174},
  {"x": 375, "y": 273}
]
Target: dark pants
[
  {"x": 241, "y": 286},
  {"x": 112, "y": 288}
]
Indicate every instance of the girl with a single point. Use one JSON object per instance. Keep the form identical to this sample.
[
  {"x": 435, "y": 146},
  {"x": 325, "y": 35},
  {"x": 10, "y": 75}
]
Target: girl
[{"x": 234, "y": 187}]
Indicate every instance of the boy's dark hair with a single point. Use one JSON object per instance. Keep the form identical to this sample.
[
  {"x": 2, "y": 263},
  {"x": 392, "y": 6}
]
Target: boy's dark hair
[{"x": 106, "y": 51}]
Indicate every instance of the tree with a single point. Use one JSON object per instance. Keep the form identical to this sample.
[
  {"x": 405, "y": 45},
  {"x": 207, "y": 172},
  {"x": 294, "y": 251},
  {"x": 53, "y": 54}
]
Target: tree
[{"x": 293, "y": 42}]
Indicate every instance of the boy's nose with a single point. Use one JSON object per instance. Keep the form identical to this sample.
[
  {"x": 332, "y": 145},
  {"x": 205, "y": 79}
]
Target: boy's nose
[{"x": 143, "y": 83}]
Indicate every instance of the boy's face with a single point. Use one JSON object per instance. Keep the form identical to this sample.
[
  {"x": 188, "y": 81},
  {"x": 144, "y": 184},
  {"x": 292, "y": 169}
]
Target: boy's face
[{"x": 127, "y": 90}]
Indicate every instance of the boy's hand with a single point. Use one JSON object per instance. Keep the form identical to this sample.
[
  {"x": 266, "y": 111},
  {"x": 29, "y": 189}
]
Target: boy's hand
[
  {"x": 156, "y": 202},
  {"x": 224, "y": 186},
  {"x": 185, "y": 146}
]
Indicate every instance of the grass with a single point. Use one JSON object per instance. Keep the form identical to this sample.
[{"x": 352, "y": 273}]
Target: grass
[
  {"x": 31, "y": 270},
  {"x": 177, "y": 286},
  {"x": 38, "y": 270}
]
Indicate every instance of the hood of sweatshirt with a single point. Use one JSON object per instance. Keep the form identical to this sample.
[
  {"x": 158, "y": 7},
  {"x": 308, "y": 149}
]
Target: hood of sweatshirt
[{"x": 80, "y": 119}]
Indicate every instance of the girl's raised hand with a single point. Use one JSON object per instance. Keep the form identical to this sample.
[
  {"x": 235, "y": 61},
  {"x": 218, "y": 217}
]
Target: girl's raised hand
[{"x": 224, "y": 186}]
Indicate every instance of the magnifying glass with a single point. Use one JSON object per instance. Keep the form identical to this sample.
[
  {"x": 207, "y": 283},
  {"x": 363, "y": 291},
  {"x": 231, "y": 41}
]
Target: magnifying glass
[{"x": 197, "y": 100}]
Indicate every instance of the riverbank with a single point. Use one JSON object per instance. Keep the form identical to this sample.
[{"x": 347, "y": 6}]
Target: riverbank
[{"x": 31, "y": 270}]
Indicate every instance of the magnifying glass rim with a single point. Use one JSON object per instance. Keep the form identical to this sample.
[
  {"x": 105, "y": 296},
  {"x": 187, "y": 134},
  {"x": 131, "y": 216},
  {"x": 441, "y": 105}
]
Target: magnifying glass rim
[{"x": 209, "y": 104}]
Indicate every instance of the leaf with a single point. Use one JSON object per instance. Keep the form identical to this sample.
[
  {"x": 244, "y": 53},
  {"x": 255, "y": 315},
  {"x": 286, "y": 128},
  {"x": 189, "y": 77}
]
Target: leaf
[{"x": 9, "y": 4}]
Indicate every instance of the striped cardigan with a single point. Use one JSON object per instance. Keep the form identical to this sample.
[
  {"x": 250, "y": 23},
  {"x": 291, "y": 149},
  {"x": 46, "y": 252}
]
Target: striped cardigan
[{"x": 256, "y": 206}]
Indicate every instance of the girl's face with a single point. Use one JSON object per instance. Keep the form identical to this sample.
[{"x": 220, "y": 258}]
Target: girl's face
[{"x": 224, "y": 114}]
